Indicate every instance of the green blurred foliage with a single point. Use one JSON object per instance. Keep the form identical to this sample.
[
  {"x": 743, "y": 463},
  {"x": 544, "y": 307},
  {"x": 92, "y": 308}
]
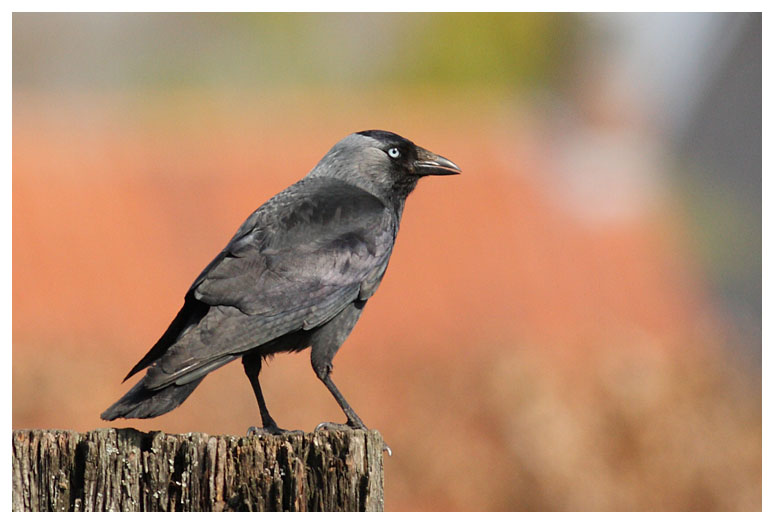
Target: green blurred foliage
[{"x": 484, "y": 48}]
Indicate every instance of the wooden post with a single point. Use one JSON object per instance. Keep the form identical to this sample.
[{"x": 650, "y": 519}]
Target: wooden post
[{"x": 128, "y": 470}]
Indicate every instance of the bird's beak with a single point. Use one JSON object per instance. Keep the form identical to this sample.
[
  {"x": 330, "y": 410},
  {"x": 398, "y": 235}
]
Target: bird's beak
[{"x": 428, "y": 163}]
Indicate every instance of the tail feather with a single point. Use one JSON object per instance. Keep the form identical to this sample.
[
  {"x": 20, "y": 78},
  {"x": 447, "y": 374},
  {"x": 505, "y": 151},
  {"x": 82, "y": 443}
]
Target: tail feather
[
  {"x": 141, "y": 402},
  {"x": 192, "y": 312}
]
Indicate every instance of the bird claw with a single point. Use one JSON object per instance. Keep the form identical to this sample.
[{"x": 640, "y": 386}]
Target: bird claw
[
  {"x": 327, "y": 425},
  {"x": 271, "y": 431}
]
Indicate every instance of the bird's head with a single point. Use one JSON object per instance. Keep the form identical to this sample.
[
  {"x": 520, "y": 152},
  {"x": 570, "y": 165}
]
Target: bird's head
[{"x": 382, "y": 162}]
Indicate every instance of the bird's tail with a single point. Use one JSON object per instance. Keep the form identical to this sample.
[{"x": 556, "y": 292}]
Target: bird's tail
[{"x": 141, "y": 402}]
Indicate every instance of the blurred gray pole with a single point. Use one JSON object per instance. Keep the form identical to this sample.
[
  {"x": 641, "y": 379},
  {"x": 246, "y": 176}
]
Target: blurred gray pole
[{"x": 700, "y": 76}]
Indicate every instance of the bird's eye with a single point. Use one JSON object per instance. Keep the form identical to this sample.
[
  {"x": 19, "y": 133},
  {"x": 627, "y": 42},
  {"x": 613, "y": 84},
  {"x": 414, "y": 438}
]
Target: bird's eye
[{"x": 393, "y": 152}]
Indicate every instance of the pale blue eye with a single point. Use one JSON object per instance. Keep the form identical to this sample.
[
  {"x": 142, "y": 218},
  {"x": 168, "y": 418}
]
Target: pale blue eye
[{"x": 393, "y": 152}]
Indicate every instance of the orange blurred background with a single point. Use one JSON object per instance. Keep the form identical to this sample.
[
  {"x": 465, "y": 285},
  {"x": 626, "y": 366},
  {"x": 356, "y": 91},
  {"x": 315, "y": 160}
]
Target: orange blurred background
[{"x": 556, "y": 330}]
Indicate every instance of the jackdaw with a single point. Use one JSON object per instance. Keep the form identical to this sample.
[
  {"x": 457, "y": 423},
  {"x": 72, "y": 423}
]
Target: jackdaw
[{"x": 297, "y": 274}]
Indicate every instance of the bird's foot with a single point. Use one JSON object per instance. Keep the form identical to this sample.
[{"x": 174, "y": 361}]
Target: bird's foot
[
  {"x": 349, "y": 426},
  {"x": 337, "y": 426},
  {"x": 271, "y": 431}
]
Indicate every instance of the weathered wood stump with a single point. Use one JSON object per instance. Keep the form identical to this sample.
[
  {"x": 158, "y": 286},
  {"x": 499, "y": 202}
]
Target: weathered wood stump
[{"x": 129, "y": 470}]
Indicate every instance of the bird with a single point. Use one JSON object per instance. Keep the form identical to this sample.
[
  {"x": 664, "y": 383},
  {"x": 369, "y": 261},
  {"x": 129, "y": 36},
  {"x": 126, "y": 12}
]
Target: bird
[{"x": 296, "y": 274}]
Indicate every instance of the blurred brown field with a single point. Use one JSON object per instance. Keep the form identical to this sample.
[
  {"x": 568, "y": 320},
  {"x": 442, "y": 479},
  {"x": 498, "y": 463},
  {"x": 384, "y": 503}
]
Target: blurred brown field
[{"x": 516, "y": 357}]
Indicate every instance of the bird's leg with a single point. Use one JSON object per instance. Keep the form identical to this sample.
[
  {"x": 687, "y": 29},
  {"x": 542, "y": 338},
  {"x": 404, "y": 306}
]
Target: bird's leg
[
  {"x": 325, "y": 343},
  {"x": 353, "y": 421},
  {"x": 252, "y": 365}
]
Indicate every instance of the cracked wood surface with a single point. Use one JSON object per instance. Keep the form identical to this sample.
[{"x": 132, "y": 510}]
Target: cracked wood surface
[{"x": 129, "y": 470}]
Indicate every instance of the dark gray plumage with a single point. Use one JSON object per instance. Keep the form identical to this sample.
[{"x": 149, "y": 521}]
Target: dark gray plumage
[{"x": 297, "y": 274}]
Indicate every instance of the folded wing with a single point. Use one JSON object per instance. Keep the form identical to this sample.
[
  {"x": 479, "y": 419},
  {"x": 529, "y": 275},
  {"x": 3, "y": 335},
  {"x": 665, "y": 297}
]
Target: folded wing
[{"x": 293, "y": 265}]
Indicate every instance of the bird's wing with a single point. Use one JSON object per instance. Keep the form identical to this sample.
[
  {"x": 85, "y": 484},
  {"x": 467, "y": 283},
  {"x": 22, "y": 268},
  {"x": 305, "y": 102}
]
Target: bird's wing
[{"x": 294, "y": 264}]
